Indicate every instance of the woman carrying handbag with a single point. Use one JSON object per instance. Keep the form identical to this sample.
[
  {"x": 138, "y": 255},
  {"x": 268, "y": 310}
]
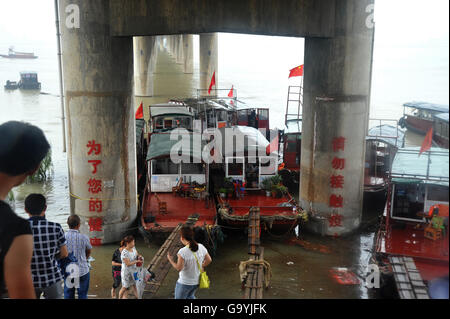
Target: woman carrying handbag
[{"x": 192, "y": 259}]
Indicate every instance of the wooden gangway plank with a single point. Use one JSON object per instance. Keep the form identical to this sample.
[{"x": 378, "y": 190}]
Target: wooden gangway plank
[
  {"x": 159, "y": 265},
  {"x": 407, "y": 278}
]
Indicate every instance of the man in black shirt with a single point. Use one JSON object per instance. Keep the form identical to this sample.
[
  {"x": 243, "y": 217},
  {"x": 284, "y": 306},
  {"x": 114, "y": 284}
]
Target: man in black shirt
[{"x": 22, "y": 148}]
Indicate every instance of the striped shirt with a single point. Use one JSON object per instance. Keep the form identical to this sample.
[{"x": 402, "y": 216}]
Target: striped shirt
[
  {"x": 77, "y": 244},
  {"x": 48, "y": 239}
]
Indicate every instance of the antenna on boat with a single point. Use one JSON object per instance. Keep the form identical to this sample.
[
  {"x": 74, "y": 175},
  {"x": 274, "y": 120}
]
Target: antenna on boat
[{"x": 58, "y": 37}]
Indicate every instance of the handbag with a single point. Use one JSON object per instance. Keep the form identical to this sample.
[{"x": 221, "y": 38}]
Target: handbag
[{"x": 203, "y": 280}]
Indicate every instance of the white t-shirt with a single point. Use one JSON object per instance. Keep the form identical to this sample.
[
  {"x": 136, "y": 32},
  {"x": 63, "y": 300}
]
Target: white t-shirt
[
  {"x": 131, "y": 256},
  {"x": 190, "y": 273}
]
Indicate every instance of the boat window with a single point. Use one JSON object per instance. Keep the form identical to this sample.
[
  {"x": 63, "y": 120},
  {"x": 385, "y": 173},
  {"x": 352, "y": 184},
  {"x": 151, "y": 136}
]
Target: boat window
[
  {"x": 437, "y": 193},
  {"x": 291, "y": 143},
  {"x": 168, "y": 123},
  {"x": 164, "y": 167},
  {"x": 409, "y": 201},
  {"x": 221, "y": 115},
  {"x": 263, "y": 114},
  {"x": 192, "y": 168},
  {"x": 242, "y": 116},
  {"x": 235, "y": 169},
  {"x": 159, "y": 123}
]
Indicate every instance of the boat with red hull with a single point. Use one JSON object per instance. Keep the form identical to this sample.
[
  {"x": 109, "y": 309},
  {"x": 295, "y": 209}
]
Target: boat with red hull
[
  {"x": 415, "y": 221},
  {"x": 418, "y": 116},
  {"x": 440, "y": 130}
]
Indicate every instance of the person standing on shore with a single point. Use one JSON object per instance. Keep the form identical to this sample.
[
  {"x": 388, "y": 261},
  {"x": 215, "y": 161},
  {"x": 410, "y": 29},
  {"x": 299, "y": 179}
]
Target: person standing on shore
[
  {"x": 189, "y": 272},
  {"x": 49, "y": 245},
  {"x": 22, "y": 148},
  {"x": 130, "y": 258},
  {"x": 80, "y": 246},
  {"x": 116, "y": 269}
]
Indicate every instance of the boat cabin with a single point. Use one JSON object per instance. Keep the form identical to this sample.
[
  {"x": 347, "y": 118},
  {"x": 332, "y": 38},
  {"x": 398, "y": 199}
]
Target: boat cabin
[
  {"x": 292, "y": 144},
  {"x": 168, "y": 116},
  {"x": 418, "y": 183},
  {"x": 164, "y": 172},
  {"x": 382, "y": 143},
  {"x": 29, "y": 81},
  {"x": 440, "y": 130},
  {"x": 418, "y": 116}
]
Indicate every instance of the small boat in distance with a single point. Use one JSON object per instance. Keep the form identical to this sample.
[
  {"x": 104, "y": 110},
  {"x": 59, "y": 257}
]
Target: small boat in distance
[
  {"x": 29, "y": 81},
  {"x": 18, "y": 55},
  {"x": 11, "y": 85},
  {"x": 418, "y": 116}
]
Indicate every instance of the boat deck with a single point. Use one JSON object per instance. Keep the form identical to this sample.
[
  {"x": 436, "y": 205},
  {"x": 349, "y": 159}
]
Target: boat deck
[
  {"x": 177, "y": 211},
  {"x": 268, "y": 206},
  {"x": 431, "y": 256}
]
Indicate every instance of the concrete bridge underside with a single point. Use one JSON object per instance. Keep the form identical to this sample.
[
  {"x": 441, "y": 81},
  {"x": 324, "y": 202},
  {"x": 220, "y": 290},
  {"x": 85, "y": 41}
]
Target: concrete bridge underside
[{"x": 98, "y": 78}]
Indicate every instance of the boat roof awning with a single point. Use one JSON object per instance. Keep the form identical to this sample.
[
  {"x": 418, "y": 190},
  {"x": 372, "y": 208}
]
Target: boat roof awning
[
  {"x": 169, "y": 109},
  {"x": 442, "y": 116},
  {"x": 428, "y": 106},
  {"x": 388, "y": 134},
  {"x": 293, "y": 126},
  {"x": 253, "y": 139},
  {"x": 409, "y": 167},
  {"x": 161, "y": 145}
]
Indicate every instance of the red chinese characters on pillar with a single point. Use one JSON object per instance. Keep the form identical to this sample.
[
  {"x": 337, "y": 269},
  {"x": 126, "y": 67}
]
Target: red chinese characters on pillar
[
  {"x": 96, "y": 241},
  {"x": 336, "y": 201},
  {"x": 95, "y": 224},
  {"x": 338, "y": 144},
  {"x": 338, "y": 163},
  {"x": 337, "y": 181},
  {"x": 94, "y": 148},
  {"x": 95, "y": 186},
  {"x": 335, "y": 220},
  {"x": 95, "y": 205},
  {"x": 95, "y": 163}
]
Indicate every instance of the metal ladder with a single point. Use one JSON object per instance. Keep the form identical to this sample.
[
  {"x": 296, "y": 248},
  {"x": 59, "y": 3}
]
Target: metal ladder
[{"x": 294, "y": 103}]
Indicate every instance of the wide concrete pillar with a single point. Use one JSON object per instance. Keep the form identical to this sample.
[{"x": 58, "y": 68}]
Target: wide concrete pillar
[
  {"x": 179, "y": 52},
  {"x": 145, "y": 55},
  {"x": 98, "y": 73},
  {"x": 335, "y": 117},
  {"x": 188, "y": 53},
  {"x": 209, "y": 61}
]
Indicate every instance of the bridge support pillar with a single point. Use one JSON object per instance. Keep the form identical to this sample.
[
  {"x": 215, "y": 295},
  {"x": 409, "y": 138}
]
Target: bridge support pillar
[
  {"x": 335, "y": 118},
  {"x": 188, "y": 53},
  {"x": 209, "y": 61},
  {"x": 180, "y": 50},
  {"x": 98, "y": 73},
  {"x": 145, "y": 55}
]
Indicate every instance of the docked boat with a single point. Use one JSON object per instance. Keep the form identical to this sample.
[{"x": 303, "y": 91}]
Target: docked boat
[
  {"x": 418, "y": 116},
  {"x": 440, "y": 130},
  {"x": 18, "y": 55},
  {"x": 382, "y": 143},
  {"x": 292, "y": 146},
  {"x": 249, "y": 179},
  {"x": 29, "y": 81},
  {"x": 415, "y": 221},
  {"x": 177, "y": 190},
  {"x": 11, "y": 85}
]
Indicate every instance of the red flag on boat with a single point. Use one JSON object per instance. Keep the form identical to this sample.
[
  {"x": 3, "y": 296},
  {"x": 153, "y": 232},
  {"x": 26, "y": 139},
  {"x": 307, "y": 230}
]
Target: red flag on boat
[
  {"x": 273, "y": 146},
  {"x": 297, "y": 71},
  {"x": 231, "y": 93},
  {"x": 213, "y": 82},
  {"x": 140, "y": 112},
  {"x": 427, "y": 142}
]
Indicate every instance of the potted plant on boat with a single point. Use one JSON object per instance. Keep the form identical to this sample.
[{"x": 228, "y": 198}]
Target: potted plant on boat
[
  {"x": 279, "y": 190},
  {"x": 223, "y": 192},
  {"x": 267, "y": 186}
]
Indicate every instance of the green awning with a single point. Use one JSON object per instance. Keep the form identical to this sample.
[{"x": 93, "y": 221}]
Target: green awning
[
  {"x": 430, "y": 167},
  {"x": 161, "y": 145}
]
